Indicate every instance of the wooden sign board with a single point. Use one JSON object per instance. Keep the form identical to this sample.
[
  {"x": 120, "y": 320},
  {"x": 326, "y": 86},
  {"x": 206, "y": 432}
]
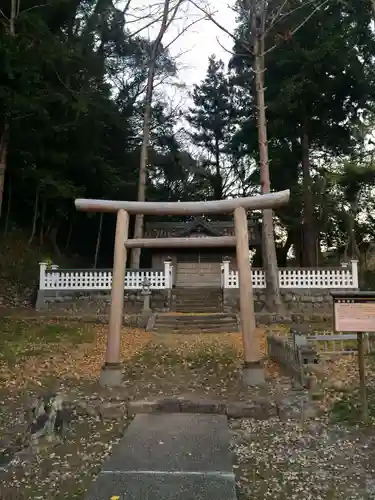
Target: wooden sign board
[{"x": 354, "y": 312}]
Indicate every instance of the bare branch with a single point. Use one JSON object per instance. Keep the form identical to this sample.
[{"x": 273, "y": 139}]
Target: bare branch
[
  {"x": 292, "y": 11},
  {"x": 160, "y": 18},
  {"x": 173, "y": 15},
  {"x": 183, "y": 31},
  {"x": 278, "y": 13},
  {"x": 278, "y": 16},
  {"x": 4, "y": 16},
  {"x": 210, "y": 16},
  {"x": 224, "y": 48},
  {"x": 126, "y": 8},
  {"x": 299, "y": 26}
]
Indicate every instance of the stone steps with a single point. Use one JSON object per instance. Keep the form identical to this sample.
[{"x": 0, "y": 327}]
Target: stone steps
[
  {"x": 198, "y": 318},
  {"x": 188, "y": 323},
  {"x": 196, "y": 309},
  {"x": 197, "y": 299}
]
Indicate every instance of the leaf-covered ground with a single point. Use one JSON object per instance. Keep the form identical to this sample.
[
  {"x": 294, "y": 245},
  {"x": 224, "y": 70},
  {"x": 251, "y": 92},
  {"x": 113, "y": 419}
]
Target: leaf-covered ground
[
  {"x": 31, "y": 351},
  {"x": 36, "y": 356},
  {"x": 284, "y": 460},
  {"x": 275, "y": 459},
  {"x": 330, "y": 457}
]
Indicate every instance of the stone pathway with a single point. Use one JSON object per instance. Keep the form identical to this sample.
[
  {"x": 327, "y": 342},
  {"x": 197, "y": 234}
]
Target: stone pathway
[{"x": 169, "y": 456}]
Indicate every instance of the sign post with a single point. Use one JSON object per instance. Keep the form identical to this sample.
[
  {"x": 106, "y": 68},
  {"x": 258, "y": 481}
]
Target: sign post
[{"x": 354, "y": 312}]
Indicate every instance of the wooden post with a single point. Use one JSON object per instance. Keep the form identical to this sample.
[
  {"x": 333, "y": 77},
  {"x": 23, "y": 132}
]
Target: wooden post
[
  {"x": 226, "y": 272},
  {"x": 42, "y": 275},
  {"x": 354, "y": 265},
  {"x": 112, "y": 372},
  {"x": 362, "y": 377},
  {"x": 253, "y": 369}
]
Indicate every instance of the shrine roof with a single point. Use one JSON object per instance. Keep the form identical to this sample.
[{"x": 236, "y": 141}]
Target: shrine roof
[{"x": 165, "y": 229}]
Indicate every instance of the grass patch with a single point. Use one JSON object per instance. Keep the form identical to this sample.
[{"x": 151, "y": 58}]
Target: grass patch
[
  {"x": 20, "y": 339},
  {"x": 215, "y": 359},
  {"x": 36, "y": 353},
  {"x": 347, "y": 410},
  {"x": 169, "y": 355},
  {"x": 159, "y": 355}
]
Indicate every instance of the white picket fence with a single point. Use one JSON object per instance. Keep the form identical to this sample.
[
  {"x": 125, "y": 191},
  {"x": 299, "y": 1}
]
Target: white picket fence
[
  {"x": 333, "y": 278},
  {"x": 54, "y": 278}
]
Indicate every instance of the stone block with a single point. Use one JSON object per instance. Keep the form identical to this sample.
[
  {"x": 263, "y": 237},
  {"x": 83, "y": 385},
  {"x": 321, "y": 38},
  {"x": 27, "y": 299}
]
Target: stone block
[
  {"x": 309, "y": 355},
  {"x": 135, "y": 407},
  {"x": 166, "y": 405},
  {"x": 297, "y": 318},
  {"x": 138, "y": 486},
  {"x": 202, "y": 406},
  {"x": 112, "y": 411},
  {"x": 258, "y": 410}
]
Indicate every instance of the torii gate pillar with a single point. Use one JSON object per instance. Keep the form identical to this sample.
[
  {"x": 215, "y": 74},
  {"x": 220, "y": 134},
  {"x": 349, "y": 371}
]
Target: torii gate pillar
[
  {"x": 111, "y": 373},
  {"x": 253, "y": 371}
]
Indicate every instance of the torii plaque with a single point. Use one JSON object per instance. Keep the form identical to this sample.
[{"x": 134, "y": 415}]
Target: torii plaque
[{"x": 253, "y": 371}]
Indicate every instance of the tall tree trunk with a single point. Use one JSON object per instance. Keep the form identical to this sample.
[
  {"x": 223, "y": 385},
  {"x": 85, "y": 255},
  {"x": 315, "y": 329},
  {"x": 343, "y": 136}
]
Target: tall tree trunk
[
  {"x": 274, "y": 300},
  {"x": 309, "y": 226},
  {"x": 98, "y": 239},
  {"x": 142, "y": 180},
  {"x": 7, "y": 216},
  {"x": 3, "y": 161},
  {"x": 35, "y": 215},
  {"x": 70, "y": 231},
  {"x": 218, "y": 188},
  {"x": 351, "y": 248},
  {"x": 53, "y": 239},
  {"x": 42, "y": 222},
  {"x": 4, "y": 139}
]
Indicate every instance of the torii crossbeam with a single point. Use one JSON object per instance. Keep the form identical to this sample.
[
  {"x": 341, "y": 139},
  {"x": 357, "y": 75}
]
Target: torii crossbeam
[{"x": 253, "y": 370}]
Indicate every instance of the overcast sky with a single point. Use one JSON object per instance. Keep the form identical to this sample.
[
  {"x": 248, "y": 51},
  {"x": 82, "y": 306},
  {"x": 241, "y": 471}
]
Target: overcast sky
[{"x": 194, "y": 47}]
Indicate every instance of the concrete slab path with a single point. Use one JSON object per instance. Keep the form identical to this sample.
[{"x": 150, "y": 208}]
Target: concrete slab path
[{"x": 169, "y": 457}]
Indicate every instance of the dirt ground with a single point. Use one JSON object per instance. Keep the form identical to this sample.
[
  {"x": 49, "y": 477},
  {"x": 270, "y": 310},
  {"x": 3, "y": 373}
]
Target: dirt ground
[
  {"x": 39, "y": 356},
  {"x": 330, "y": 457},
  {"x": 316, "y": 460}
]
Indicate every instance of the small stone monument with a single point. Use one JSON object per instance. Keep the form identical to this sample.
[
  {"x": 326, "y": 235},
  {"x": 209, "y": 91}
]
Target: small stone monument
[
  {"x": 47, "y": 419},
  {"x": 146, "y": 294}
]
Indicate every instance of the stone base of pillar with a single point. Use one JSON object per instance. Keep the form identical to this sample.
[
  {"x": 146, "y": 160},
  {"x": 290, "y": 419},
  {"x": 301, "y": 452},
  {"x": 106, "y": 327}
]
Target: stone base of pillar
[
  {"x": 253, "y": 374},
  {"x": 111, "y": 375}
]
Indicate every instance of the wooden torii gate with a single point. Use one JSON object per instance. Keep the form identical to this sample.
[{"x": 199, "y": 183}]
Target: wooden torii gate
[{"x": 253, "y": 372}]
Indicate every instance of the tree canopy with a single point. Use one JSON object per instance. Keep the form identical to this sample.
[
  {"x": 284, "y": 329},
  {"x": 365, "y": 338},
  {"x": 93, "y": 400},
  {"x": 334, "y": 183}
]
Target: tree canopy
[{"x": 72, "y": 95}]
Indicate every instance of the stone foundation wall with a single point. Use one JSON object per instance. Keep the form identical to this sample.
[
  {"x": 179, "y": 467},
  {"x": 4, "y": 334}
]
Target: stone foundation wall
[
  {"x": 296, "y": 301},
  {"x": 98, "y": 303},
  {"x": 299, "y": 303}
]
